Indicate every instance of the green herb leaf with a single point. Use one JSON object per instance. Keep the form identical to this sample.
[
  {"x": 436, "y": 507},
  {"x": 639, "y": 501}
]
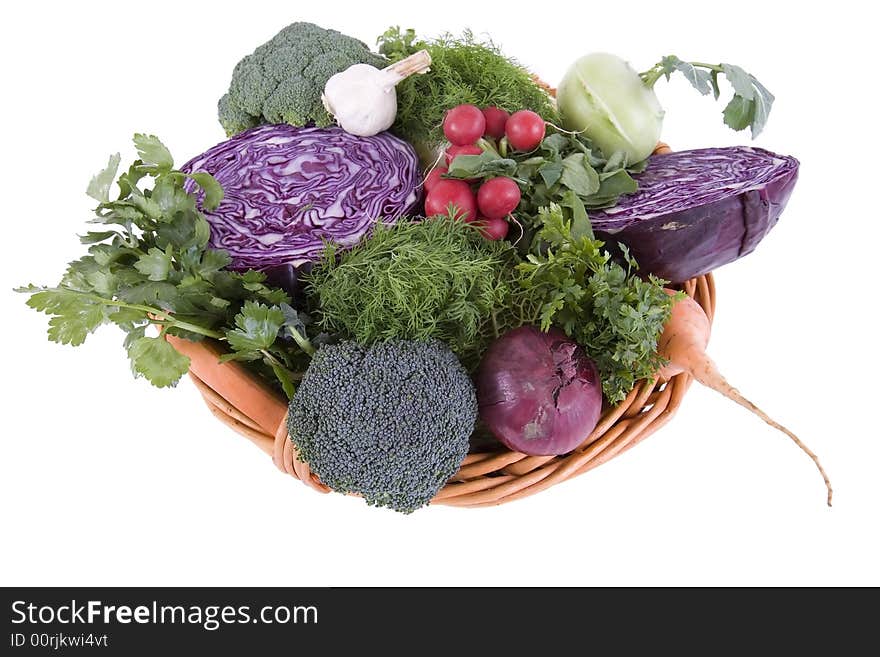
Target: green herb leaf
[
  {"x": 154, "y": 267},
  {"x": 99, "y": 186},
  {"x": 153, "y": 152},
  {"x": 93, "y": 237},
  {"x": 73, "y": 314},
  {"x": 212, "y": 189},
  {"x": 257, "y": 327},
  {"x": 283, "y": 376},
  {"x": 155, "y": 264},
  {"x": 615, "y": 315},
  {"x": 156, "y": 360}
]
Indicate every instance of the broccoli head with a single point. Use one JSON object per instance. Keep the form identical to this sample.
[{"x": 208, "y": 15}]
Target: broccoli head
[
  {"x": 282, "y": 80},
  {"x": 390, "y": 422}
]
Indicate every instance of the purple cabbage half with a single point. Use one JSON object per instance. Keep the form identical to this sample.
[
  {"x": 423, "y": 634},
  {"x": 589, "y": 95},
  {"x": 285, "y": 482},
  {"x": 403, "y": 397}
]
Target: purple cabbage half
[
  {"x": 700, "y": 209},
  {"x": 288, "y": 189}
]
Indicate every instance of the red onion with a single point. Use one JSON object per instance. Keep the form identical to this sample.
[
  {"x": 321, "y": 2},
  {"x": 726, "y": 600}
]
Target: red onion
[{"x": 538, "y": 392}]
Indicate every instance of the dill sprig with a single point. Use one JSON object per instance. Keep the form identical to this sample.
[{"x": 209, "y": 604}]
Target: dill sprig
[
  {"x": 463, "y": 70},
  {"x": 436, "y": 278}
]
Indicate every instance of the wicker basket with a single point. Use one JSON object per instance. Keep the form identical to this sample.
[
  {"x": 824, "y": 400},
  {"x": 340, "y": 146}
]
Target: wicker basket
[{"x": 245, "y": 404}]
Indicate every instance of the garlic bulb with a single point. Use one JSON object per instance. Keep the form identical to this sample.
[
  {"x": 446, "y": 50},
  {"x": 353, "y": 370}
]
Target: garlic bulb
[{"x": 362, "y": 97}]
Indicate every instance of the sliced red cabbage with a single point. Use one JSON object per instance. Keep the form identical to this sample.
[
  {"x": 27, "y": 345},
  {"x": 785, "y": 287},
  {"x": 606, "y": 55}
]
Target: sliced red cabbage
[
  {"x": 700, "y": 209},
  {"x": 287, "y": 189}
]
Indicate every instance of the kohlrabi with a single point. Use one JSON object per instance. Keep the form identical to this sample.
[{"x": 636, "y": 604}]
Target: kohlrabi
[{"x": 602, "y": 96}]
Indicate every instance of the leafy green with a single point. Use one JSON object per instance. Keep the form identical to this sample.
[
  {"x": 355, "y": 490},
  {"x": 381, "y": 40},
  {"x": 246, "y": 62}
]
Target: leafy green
[
  {"x": 159, "y": 362},
  {"x": 437, "y": 278},
  {"x": 463, "y": 70},
  {"x": 565, "y": 170},
  {"x": 614, "y": 314},
  {"x": 99, "y": 186},
  {"x": 150, "y": 266},
  {"x": 751, "y": 102}
]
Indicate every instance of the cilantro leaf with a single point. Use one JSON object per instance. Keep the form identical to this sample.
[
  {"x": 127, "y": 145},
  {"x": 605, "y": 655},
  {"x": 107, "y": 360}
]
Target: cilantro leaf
[
  {"x": 157, "y": 361},
  {"x": 171, "y": 198},
  {"x": 155, "y": 264},
  {"x": 211, "y": 188},
  {"x": 153, "y": 152},
  {"x": 257, "y": 327},
  {"x": 73, "y": 315},
  {"x": 99, "y": 186},
  {"x": 152, "y": 266},
  {"x": 213, "y": 260}
]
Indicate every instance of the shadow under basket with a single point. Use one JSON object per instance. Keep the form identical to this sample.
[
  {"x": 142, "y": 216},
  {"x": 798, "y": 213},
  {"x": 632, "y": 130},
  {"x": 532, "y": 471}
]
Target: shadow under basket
[{"x": 486, "y": 478}]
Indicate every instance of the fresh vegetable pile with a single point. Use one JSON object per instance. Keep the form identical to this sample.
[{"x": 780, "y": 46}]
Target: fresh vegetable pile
[{"x": 421, "y": 246}]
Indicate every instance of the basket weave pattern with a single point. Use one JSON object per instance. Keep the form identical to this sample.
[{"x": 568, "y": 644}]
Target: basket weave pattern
[{"x": 485, "y": 478}]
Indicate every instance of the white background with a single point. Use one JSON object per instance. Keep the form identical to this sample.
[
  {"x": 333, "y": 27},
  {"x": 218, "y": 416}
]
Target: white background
[{"x": 107, "y": 481}]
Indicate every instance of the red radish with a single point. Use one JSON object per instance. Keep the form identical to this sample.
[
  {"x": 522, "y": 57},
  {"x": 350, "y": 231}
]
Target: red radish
[
  {"x": 454, "y": 151},
  {"x": 448, "y": 192},
  {"x": 683, "y": 343},
  {"x": 498, "y": 197},
  {"x": 464, "y": 124},
  {"x": 525, "y": 130},
  {"x": 493, "y": 229},
  {"x": 496, "y": 119},
  {"x": 433, "y": 178}
]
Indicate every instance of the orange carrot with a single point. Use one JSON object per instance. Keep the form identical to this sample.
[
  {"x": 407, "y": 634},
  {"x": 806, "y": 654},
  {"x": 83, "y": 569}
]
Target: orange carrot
[{"x": 683, "y": 343}]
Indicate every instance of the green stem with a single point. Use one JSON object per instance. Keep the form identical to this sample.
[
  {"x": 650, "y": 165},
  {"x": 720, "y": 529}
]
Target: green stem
[
  {"x": 303, "y": 342},
  {"x": 488, "y": 146},
  {"x": 162, "y": 317},
  {"x": 271, "y": 357},
  {"x": 654, "y": 73},
  {"x": 711, "y": 67}
]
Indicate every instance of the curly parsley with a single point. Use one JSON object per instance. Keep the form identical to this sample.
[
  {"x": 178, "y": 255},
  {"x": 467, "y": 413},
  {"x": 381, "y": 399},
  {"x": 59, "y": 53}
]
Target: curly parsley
[{"x": 615, "y": 315}]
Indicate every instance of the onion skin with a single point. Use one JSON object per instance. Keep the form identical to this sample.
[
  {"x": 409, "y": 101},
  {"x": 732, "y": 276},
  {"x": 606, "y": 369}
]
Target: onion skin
[{"x": 539, "y": 393}]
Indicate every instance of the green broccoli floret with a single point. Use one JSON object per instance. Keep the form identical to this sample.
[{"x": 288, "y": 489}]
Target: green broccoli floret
[
  {"x": 282, "y": 80},
  {"x": 390, "y": 421}
]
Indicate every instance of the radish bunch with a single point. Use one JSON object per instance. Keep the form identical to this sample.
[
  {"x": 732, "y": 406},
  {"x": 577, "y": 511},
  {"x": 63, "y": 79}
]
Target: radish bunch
[{"x": 469, "y": 130}]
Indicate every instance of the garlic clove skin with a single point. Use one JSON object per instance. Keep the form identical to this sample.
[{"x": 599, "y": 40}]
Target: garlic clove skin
[{"x": 362, "y": 98}]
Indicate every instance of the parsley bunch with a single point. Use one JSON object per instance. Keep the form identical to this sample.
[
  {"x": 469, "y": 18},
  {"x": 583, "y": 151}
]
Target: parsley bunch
[
  {"x": 150, "y": 266},
  {"x": 614, "y": 314}
]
